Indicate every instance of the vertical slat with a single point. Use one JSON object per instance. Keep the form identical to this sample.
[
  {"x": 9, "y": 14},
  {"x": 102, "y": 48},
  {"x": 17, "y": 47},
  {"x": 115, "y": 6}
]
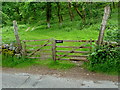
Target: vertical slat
[
  {"x": 54, "y": 49},
  {"x": 90, "y": 45},
  {"x": 24, "y": 48}
]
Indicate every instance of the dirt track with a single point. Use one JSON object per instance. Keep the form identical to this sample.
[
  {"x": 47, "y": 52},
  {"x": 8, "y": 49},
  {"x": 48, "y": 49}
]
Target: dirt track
[{"x": 76, "y": 73}]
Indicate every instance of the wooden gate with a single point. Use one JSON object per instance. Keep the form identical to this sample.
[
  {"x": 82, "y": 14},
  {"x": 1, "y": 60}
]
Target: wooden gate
[
  {"x": 55, "y": 51},
  {"x": 40, "y": 49},
  {"x": 73, "y": 52}
]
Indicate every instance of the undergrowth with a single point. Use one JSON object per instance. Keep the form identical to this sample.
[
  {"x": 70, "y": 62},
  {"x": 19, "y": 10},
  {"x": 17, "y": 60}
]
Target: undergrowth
[
  {"x": 104, "y": 59},
  {"x": 12, "y": 61}
]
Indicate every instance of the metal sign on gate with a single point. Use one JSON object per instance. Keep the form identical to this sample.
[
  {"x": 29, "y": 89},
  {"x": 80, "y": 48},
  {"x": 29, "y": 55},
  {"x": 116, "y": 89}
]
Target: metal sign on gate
[{"x": 59, "y": 41}]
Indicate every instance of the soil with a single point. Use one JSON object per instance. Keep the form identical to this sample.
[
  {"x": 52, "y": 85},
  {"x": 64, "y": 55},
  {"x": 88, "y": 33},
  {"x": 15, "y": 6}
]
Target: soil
[{"x": 76, "y": 73}]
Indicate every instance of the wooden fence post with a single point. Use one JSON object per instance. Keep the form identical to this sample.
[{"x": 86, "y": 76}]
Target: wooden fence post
[
  {"x": 103, "y": 25},
  {"x": 90, "y": 45},
  {"x": 17, "y": 37},
  {"x": 24, "y": 48},
  {"x": 54, "y": 49}
]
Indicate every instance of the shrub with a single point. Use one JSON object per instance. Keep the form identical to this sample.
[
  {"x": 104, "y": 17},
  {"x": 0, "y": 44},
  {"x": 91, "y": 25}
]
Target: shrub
[
  {"x": 104, "y": 59},
  {"x": 8, "y": 52},
  {"x": 112, "y": 35}
]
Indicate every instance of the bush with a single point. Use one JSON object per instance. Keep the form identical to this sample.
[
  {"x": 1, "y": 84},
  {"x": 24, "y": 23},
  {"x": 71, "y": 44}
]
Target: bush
[
  {"x": 104, "y": 59},
  {"x": 112, "y": 35}
]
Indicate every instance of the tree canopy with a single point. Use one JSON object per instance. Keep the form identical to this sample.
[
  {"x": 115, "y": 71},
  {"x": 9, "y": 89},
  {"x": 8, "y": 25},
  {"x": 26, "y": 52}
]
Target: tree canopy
[{"x": 52, "y": 12}]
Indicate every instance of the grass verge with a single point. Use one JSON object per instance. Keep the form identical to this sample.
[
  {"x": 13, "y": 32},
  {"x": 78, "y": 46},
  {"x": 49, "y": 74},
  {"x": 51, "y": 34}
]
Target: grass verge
[{"x": 14, "y": 62}]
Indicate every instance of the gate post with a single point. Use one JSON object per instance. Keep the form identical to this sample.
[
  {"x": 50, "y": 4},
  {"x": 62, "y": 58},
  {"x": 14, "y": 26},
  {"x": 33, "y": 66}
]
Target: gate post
[
  {"x": 103, "y": 25},
  {"x": 17, "y": 37},
  {"x": 24, "y": 48},
  {"x": 90, "y": 45},
  {"x": 53, "y": 49}
]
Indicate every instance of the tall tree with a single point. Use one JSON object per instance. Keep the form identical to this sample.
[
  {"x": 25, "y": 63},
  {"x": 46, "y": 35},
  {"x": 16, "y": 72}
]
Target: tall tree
[
  {"x": 70, "y": 11},
  {"x": 48, "y": 13},
  {"x": 59, "y": 13}
]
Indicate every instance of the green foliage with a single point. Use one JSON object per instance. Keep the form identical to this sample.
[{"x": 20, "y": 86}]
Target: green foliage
[
  {"x": 112, "y": 35},
  {"x": 104, "y": 59},
  {"x": 12, "y": 61},
  {"x": 112, "y": 32},
  {"x": 29, "y": 12},
  {"x": 7, "y": 52}
]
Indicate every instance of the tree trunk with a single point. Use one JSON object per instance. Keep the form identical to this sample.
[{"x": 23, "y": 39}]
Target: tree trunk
[
  {"x": 58, "y": 13},
  {"x": 79, "y": 13},
  {"x": 70, "y": 11},
  {"x": 84, "y": 15},
  {"x": 113, "y": 4},
  {"x": 48, "y": 13},
  {"x": 103, "y": 25},
  {"x": 90, "y": 9}
]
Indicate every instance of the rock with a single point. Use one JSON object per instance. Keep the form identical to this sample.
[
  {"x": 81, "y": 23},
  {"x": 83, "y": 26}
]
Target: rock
[
  {"x": 18, "y": 55},
  {"x": 11, "y": 46},
  {"x": 6, "y": 46},
  {"x": 87, "y": 74}
]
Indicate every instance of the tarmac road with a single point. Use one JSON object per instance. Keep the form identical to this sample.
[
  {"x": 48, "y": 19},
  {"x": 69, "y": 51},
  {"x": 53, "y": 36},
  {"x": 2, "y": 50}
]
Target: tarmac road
[{"x": 25, "y": 80}]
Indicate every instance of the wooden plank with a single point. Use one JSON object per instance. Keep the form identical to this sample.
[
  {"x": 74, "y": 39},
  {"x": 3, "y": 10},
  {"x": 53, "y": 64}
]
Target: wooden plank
[
  {"x": 72, "y": 47},
  {"x": 40, "y": 50},
  {"x": 37, "y": 45},
  {"x": 74, "y": 59},
  {"x": 72, "y": 51},
  {"x": 40, "y": 54},
  {"x": 74, "y": 55},
  {"x": 63, "y": 40},
  {"x": 35, "y": 40},
  {"x": 79, "y": 40},
  {"x": 54, "y": 50},
  {"x": 38, "y": 57},
  {"x": 106, "y": 42}
]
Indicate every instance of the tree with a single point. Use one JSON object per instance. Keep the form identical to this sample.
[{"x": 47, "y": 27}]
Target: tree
[
  {"x": 58, "y": 13},
  {"x": 79, "y": 13},
  {"x": 48, "y": 13},
  {"x": 70, "y": 11}
]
